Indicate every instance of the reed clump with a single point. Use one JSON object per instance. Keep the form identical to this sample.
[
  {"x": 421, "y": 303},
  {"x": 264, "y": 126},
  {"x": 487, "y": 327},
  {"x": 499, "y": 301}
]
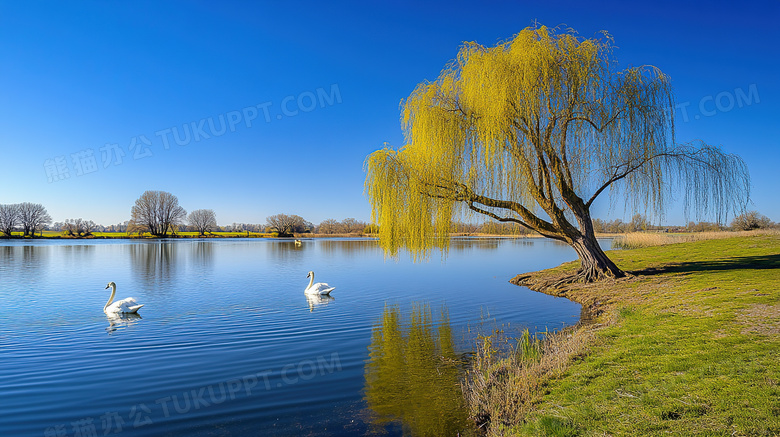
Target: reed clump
[
  {"x": 508, "y": 376},
  {"x": 636, "y": 240}
]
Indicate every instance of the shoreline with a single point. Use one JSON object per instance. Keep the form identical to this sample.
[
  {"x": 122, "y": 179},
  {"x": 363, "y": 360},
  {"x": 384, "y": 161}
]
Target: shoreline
[
  {"x": 693, "y": 333},
  {"x": 256, "y": 235}
]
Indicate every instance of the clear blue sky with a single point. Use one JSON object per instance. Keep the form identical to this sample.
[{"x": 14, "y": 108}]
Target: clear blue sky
[{"x": 82, "y": 82}]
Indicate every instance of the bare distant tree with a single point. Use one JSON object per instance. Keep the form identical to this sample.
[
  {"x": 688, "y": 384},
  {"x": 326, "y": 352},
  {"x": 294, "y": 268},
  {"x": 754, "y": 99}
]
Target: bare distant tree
[
  {"x": 750, "y": 220},
  {"x": 240, "y": 227},
  {"x": 599, "y": 226},
  {"x": 79, "y": 227},
  {"x": 133, "y": 228},
  {"x": 121, "y": 227},
  {"x": 288, "y": 224},
  {"x": 328, "y": 226},
  {"x": 70, "y": 227},
  {"x": 639, "y": 223},
  {"x": 493, "y": 228},
  {"x": 158, "y": 212},
  {"x": 32, "y": 217},
  {"x": 9, "y": 218},
  {"x": 466, "y": 228},
  {"x": 203, "y": 220},
  {"x": 617, "y": 226},
  {"x": 353, "y": 226},
  {"x": 243, "y": 227}
]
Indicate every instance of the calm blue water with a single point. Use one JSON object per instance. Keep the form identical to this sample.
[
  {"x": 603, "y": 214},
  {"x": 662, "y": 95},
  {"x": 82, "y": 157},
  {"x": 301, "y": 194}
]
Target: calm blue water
[{"x": 227, "y": 343}]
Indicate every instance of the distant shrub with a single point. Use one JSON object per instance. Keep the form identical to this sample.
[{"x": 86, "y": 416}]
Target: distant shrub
[{"x": 751, "y": 220}]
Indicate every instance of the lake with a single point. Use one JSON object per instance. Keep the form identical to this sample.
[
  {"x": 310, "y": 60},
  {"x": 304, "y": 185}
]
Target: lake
[{"x": 228, "y": 344}]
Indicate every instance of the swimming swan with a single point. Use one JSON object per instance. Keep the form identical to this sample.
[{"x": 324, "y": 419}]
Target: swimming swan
[
  {"x": 128, "y": 305},
  {"x": 318, "y": 288}
]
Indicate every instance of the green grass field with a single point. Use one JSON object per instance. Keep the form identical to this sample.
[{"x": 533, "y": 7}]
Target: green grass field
[{"x": 693, "y": 347}]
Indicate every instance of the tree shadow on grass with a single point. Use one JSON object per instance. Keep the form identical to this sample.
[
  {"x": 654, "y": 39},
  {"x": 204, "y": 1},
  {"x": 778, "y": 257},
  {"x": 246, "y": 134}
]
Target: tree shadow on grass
[{"x": 759, "y": 262}]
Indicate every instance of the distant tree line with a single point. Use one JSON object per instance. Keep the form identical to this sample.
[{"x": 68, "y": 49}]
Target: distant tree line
[
  {"x": 346, "y": 226},
  {"x": 638, "y": 223},
  {"x": 158, "y": 213},
  {"x": 744, "y": 222}
]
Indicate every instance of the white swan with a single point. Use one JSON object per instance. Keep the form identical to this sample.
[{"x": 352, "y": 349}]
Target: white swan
[
  {"x": 318, "y": 288},
  {"x": 298, "y": 242},
  {"x": 128, "y": 305}
]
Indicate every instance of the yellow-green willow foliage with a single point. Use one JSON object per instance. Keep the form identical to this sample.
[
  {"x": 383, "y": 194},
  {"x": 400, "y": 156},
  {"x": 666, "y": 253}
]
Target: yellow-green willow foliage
[{"x": 544, "y": 121}]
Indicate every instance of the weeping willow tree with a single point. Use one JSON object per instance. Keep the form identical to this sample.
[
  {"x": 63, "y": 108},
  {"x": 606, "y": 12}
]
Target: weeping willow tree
[{"x": 533, "y": 131}]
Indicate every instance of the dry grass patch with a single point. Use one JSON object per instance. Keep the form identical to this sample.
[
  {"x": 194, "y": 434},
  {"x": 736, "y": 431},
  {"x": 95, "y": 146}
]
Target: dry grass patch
[
  {"x": 506, "y": 380},
  {"x": 636, "y": 240},
  {"x": 760, "y": 319}
]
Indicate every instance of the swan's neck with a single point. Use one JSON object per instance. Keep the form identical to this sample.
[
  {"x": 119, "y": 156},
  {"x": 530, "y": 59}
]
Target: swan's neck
[
  {"x": 111, "y": 298},
  {"x": 311, "y": 281}
]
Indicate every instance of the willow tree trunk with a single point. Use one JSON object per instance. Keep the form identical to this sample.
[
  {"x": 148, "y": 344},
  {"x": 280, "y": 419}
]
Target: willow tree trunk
[
  {"x": 594, "y": 266},
  {"x": 594, "y": 263}
]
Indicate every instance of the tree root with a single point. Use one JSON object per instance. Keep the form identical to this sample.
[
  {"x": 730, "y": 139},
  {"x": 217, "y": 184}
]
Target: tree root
[{"x": 558, "y": 284}]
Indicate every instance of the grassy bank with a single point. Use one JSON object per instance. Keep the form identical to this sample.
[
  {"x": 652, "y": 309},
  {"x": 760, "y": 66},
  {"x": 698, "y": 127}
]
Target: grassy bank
[{"x": 688, "y": 346}]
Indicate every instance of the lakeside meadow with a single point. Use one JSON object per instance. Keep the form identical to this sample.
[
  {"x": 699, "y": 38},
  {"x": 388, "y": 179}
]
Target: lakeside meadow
[{"x": 687, "y": 344}]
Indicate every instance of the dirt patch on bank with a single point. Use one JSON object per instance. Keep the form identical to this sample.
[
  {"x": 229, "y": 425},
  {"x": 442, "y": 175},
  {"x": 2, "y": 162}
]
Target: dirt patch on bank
[
  {"x": 598, "y": 299},
  {"x": 760, "y": 319}
]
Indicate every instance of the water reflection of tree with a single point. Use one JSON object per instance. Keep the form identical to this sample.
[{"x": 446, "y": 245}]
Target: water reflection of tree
[
  {"x": 6, "y": 260},
  {"x": 77, "y": 255},
  {"x": 27, "y": 261},
  {"x": 154, "y": 262},
  {"x": 203, "y": 253},
  {"x": 30, "y": 258},
  {"x": 285, "y": 249},
  {"x": 490, "y": 243},
  {"x": 459, "y": 244},
  {"x": 413, "y": 374},
  {"x": 348, "y": 248}
]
